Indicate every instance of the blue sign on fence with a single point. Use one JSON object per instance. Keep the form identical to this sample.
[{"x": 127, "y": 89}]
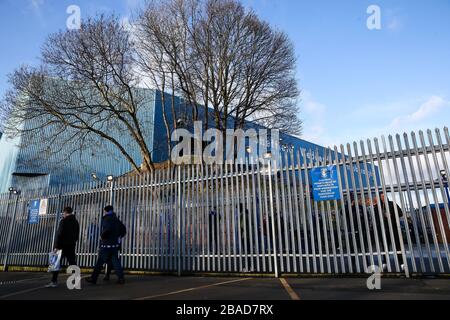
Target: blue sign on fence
[
  {"x": 33, "y": 211},
  {"x": 325, "y": 183}
]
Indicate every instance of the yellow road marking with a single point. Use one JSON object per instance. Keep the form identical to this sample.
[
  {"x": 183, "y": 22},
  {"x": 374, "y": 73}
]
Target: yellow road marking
[
  {"x": 191, "y": 289},
  {"x": 290, "y": 291}
]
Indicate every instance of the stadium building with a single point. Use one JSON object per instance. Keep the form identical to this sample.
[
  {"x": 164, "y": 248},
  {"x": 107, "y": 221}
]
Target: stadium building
[{"x": 25, "y": 165}]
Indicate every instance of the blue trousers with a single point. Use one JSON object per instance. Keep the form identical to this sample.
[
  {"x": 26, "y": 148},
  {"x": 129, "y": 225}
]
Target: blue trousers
[{"x": 105, "y": 255}]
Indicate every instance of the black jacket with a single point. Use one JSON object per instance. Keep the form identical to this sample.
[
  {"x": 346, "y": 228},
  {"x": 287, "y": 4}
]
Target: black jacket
[
  {"x": 68, "y": 233},
  {"x": 111, "y": 230},
  {"x": 392, "y": 206}
]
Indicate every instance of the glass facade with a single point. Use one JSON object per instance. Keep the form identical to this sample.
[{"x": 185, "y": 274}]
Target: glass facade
[
  {"x": 9, "y": 149},
  {"x": 26, "y": 163},
  {"x": 30, "y": 165}
]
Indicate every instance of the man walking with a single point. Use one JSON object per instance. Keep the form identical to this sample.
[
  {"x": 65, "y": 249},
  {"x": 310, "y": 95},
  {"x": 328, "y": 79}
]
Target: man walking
[
  {"x": 109, "y": 265},
  {"x": 111, "y": 231},
  {"x": 66, "y": 239}
]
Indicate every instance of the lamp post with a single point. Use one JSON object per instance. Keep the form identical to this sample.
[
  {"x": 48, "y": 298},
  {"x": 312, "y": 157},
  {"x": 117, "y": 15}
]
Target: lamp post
[
  {"x": 111, "y": 179},
  {"x": 94, "y": 176},
  {"x": 181, "y": 123},
  {"x": 445, "y": 181},
  {"x": 12, "y": 191}
]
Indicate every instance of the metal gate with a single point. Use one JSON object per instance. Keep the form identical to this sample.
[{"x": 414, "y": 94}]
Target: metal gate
[{"x": 392, "y": 213}]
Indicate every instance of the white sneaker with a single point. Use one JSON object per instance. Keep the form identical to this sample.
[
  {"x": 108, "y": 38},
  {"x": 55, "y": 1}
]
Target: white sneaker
[
  {"x": 402, "y": 267},
  {"x": 51, "y": 285}
]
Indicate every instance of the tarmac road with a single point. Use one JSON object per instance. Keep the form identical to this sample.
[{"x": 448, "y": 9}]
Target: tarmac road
[{"x": 30, "y": 286}]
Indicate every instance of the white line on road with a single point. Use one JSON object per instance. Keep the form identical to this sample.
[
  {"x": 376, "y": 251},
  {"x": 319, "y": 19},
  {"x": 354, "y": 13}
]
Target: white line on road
[
  {"x": 20, "y": 292},
  {"x": 191, "y": 289},
  {"x": 28, "y": 290},
  {"x": 20, "y": 281}
]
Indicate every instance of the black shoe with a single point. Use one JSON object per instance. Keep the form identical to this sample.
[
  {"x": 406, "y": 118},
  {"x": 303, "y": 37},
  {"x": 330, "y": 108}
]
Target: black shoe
[
  {"x": 91, "y": 281},
  {"x": 106, "y": 278},
  {"x": 121, "y": 281}
]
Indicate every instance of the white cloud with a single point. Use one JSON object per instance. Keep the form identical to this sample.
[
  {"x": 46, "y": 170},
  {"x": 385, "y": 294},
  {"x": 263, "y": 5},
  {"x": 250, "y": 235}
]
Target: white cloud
[
  {"x": 36, "y": 3},
  {"x": 326, "y": 125},
  {"x": 132, "y": 5},
  {"x": 313, "y": 133},
  {"x": 126, "y": 24},
  {"x": 314, "y": 116},
  {"x": 36, "y": 7},
  {"x": 428, "y": 109},
  {"x": 394, "y": 19},
  {"x": 394, "y": 24},
  {"x": 311, "y": 106}
]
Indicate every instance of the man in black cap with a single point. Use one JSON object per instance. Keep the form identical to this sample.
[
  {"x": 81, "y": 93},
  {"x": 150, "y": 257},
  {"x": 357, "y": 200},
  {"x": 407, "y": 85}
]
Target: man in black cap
[
  {"x": 112, "y": 231},
  {"x": 66, "y": 239}
]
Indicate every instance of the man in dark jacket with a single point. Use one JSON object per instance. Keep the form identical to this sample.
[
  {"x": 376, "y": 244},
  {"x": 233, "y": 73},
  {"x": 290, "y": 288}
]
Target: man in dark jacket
[
  {"x": 66, "y": 239},
  {"x": 109, "y": 265},
  {"x": 109, "y": 245},
  {"x": 388, "y": 209}
]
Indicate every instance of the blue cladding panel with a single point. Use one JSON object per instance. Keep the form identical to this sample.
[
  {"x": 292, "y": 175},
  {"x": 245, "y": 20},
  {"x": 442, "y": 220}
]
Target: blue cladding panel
[
  {"x": 107, "y": 159},
  {"x": 103, "y": 160},
  {"x": 8, "y": 155},
  {"x": 160, "y": 139}
]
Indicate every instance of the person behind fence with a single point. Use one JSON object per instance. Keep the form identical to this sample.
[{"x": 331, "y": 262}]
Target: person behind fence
[
  {"x": 92, "y": 235},
  {"x": 244, "y": 228},
  {"x": 388, "y": 209},
  {"x": 109, "y": 246},
  {"x": 66, "y": 239},
  {"x": 354, "y": 214},
  {"x": 350, "y": 214},
  {"x": 214, "y": 233}
]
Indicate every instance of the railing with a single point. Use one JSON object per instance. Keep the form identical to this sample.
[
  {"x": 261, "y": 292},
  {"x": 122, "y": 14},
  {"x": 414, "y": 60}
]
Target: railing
[{"x": 392, "y": 212}]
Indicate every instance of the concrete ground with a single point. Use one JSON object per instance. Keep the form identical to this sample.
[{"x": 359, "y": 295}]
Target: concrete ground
[{"x": 26, "y": 286}]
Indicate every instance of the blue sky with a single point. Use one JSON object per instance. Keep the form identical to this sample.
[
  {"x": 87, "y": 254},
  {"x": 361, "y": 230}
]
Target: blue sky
[{"x": 356, "y": 83}]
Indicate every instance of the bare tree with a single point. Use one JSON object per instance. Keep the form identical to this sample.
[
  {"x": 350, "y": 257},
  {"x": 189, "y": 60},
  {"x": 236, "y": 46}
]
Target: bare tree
[
  {"x": 83, "y": 95},
  {"x": 157, "y": 67},
  {"x": 3, "y": 118},
  {"x": 224, "y": 58},
  {"x": 226, "y": 63}
]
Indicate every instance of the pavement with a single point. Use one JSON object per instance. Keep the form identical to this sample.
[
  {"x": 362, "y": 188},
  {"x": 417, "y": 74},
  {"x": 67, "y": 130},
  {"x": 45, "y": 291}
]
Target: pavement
[{"x": 30, "y": 286}]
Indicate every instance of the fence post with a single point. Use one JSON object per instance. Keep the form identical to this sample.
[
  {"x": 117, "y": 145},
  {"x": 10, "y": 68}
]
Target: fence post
[
  {"x": 58, "y": 213},
  {"x": 11, "y": 228},
  {"x": 111, "y": 190},
  {"x": 445, "y": 180},
  {"x": 274, "y": 244},
  {"x": 10, "y": 224},
  {"x": 180, "y": 201}
]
